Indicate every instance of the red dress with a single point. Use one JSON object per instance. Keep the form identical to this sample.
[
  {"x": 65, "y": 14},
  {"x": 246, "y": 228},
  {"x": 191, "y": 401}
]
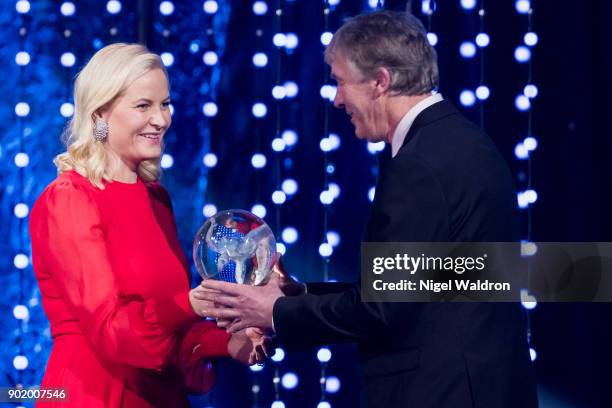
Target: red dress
[{"x": 114, "y": 284}]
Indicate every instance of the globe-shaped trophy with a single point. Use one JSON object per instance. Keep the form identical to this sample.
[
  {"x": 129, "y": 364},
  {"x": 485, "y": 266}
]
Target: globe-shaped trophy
[{"x": 235, "y": 246}]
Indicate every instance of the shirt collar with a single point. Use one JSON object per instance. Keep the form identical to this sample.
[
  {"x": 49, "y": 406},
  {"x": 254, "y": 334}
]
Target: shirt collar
[{"x": 401, "y": 131}]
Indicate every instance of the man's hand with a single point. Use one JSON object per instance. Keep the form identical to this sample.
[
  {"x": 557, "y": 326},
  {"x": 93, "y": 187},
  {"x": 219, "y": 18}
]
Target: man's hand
[
  {"x": 246, "y": 306},
  {"x": 250, "y": 346},
  {"x": 288, "y": 285}
]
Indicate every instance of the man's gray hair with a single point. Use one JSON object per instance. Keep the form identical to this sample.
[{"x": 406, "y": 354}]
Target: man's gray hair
[{"x": 394, "y": 40}]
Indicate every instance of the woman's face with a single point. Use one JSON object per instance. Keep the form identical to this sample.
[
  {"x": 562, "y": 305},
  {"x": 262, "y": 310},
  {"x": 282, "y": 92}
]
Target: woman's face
[{"x": 138, "y": 119}]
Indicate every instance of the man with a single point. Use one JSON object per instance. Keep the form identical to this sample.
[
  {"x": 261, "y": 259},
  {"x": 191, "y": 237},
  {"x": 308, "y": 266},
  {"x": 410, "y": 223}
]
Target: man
[{"x": 442, "y": 181}]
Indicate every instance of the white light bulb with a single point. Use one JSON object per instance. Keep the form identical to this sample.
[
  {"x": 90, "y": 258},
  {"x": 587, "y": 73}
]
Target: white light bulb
[
  {"x": 210, "y": 58},
  {"x": 113, "y": 6},
  {"x": 432, "y": 38},
  {"x": 166, "y": 8},
  {"x": 22, "y": 58},
  {"x": 167, "y": 161},
  {"x": 259, "y": 210},
  {"x": 21, "y": 210},
  {"x": 210, "y": 6},
  {"x": 209, "y": 210}
]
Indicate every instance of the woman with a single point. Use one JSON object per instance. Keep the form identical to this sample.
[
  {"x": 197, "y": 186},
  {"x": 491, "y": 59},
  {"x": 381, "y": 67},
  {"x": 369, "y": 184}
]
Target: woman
[{"x": 113, "y": 278}]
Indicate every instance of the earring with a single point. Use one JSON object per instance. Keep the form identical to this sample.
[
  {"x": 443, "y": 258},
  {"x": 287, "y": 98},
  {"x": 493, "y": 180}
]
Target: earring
[{"x": 100, "y": 130}]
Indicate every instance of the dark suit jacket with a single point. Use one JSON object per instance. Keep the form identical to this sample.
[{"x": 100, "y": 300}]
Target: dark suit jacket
[{"x": 447, "y": 183}]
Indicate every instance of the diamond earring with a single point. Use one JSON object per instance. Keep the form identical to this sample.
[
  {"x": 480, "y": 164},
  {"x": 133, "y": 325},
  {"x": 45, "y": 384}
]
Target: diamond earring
[{"x": 100, "y": 130}]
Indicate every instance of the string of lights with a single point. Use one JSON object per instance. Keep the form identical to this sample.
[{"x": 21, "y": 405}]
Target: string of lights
[{"x": 524, "y": 151}]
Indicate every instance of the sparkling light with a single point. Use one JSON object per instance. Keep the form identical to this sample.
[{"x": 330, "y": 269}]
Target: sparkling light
[
  {"x": 260, "y": 8},
  {"x": 167, "y": 161},
  {"x": 326, "y": 38},
  {"x": 260, "y": 59},
  {"x": 210, "y": 6},
  {"x": 521, "y": 152},
  {"x": 280, "y": 247},
  {"x": 256, "y": 368},
  {"x": 22, "y": 6},
  {"x": 279, "y": 197},
  {"x": 209, "y": 210},
  {"x": 326, "y": 197},
  {"x": 210, "y": 109},
  {"x": 432, "y": 38},
  {"x": 259, "y": 210},
  {"x": 22, "y": 159},
  {"x": 292, "y": 41},
  {"x": 258, "y": 161},
  {"x": 333, "y": 238},
  {"x": 289, "y": 235},
  {"x": 67, "y": 109},
  {"x": 278, "y": 144},
  {"x": 325, "y": 250},
  {"x": 291, "y": 88},
  {"x": 289, "y": 380},
  {"x": 279, "y": 355},
  {"x": 467, "y": 49},
  {"x": 279, "y": 92},
  {"x": 522, "y": 54},
  {"x": 290, "y": 137},
  {"x": 67, "y": 8},
  {"x": 530, "y": 39},
  {"x": 483, "y": 39},
  {"x": 210, "y": 160},
  {"x": 21, "y": 210},
  {"x": 332, "y": 385},
  {"x": 530, "y": 91},
  {"x": 334, "y": 141},
  {"x": 531, "y": 196},
  {"x": 68, "y": 59},
  {"x": 210, "y": 58},
  {"x": 166, "y": 8},
  {"x": 324, "y": 355},
  {"x": 532, "y": 354},
  {"x": 522, "y": 6},
  {"x": 22, "y": 109},
  {"x": 21, "y": 312},
  {"x": 528, "y": 248},
  {"x": 323, "y": 404},
  {"x": 20, "y": 362},
  {"x": 371, "y": 193},
  {"x": 167, "y": 58},
  {"x": 328, "y": 92},
  {"x": 482, "y": 92},
  {"x": 279, "y": 39},
  {"x": 334, "y": 189},
  {"x": 375, "y": 147},
  {"x": 522, "y": 103},
  {"x": 468, "y": 4},
  {"x": 530, "y": 143},
  {"x": 259, "y": 110},
  {"x": 325, "y": 145},
  {"x": 289, "y": 186},
  {"x": 467, "y": 98},
  {"x": 22, "y": 58},
  {"x": 113, "y": 6},
  {"x": 522, "y": 200},
  {"x": 21, "y": 261},
  {"x": 278, "y": 404}
]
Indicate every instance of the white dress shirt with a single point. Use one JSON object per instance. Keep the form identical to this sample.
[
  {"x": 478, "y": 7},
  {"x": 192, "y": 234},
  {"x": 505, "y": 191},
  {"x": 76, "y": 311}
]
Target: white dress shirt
[{"x": 406, "y": 122}]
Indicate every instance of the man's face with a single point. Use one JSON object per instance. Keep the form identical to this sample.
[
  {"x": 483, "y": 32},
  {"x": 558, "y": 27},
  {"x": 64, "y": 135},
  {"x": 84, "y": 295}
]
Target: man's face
[{"x": 359, "y": 99}]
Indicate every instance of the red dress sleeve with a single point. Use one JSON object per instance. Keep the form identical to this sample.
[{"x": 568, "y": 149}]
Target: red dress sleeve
[
  {"x": 68, "y": 239},
  {"x": 202, "y": 343}
]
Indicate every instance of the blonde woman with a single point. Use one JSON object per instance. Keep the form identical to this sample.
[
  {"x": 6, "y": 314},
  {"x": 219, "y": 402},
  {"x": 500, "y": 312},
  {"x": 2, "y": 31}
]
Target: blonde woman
[{"x": 113, "y": 278}]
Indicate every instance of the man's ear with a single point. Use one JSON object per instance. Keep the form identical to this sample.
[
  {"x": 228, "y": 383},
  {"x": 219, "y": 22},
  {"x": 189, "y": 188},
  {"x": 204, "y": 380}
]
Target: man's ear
[{"x": 382, "y": 79}]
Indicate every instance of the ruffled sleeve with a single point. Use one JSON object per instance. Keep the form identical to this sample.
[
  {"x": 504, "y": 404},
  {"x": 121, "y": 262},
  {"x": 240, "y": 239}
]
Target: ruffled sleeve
[{"x": 69, "y": 244}]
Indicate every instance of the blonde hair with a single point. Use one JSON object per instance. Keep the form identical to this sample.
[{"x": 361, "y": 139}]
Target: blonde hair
[{"x": 105, "y": 77}]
